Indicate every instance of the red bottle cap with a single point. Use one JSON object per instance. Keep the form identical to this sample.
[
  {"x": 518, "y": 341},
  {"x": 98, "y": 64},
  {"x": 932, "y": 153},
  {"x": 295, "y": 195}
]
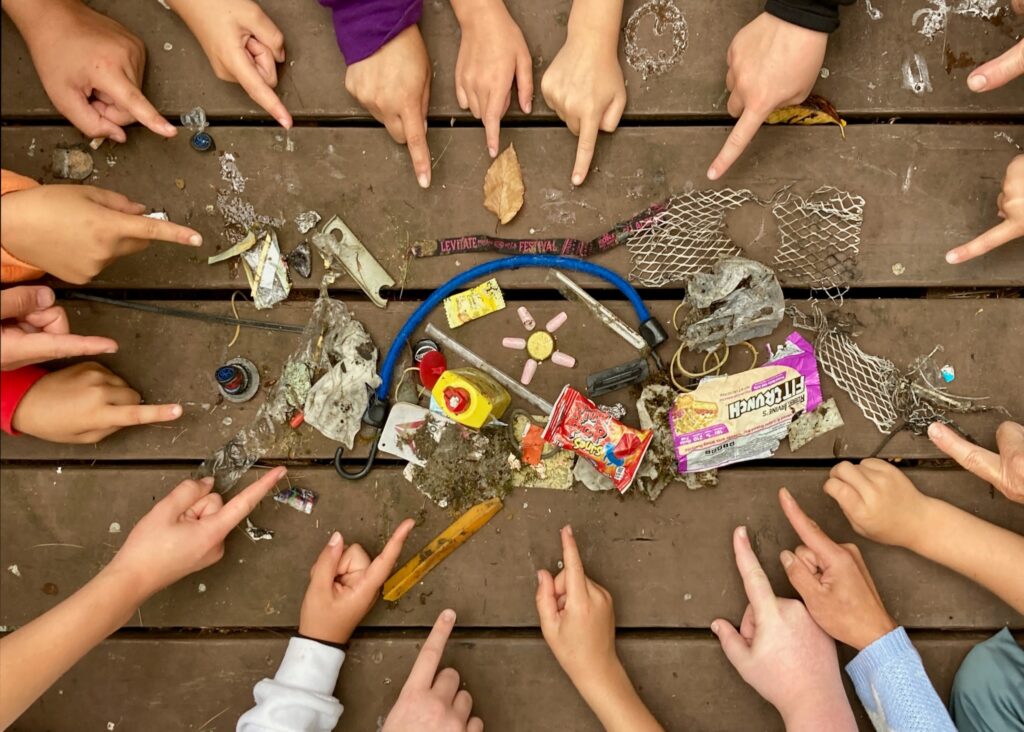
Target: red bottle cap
[
  {"x": 456, "y": 399},
  {"x": 431, "y": 366}
]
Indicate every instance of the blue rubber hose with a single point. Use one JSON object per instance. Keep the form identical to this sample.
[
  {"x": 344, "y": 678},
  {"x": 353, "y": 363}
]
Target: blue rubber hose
[{"x": 520, "y": 261}]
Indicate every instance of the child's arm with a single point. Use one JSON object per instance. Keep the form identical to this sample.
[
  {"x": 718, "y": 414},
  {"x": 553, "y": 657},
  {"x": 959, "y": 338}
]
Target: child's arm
[
  {"x": 578, "y": 623},
  {"x": 492, "y": 54},
  {"x": 34, "y": 330},
  {"x": 73, "y": 231},
  {"x": 584, "y": 83},
  {"x": 90, "y": 65},
  {"x": 882, "y": 504},
  {"x": 182, "y": 534},
  {"x": 783, "y": 654},
  {"x": 82, "y": 404},
  {"x": 841, "y": 597},
  {"x": 389, "y": 70},
  {"x": 432, "y": 701},
  {"x": 243, "y": 46},
  {"x": 344, "y": 585},
  {"x": 773, "y": 61}
]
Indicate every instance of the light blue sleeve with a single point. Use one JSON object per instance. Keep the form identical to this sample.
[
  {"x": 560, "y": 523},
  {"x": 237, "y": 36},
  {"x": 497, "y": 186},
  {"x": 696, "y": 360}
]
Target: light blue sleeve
[{"x": 894, "y": 688}]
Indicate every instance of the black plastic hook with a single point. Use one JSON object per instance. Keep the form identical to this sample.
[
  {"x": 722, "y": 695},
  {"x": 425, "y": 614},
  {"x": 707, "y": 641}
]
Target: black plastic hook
[{"x": 376, "y": 415}]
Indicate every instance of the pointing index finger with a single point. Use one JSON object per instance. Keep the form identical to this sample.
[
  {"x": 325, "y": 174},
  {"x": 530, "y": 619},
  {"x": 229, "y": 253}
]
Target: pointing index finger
[
  {"x": 589, "y": 127},
  {"x": 243, "y": 504},
  {"x": 973, "y": 458},
  {"x": 128, "y": 97},
  {"x": 143, "y": 227},
  {"x": 424, "y": 669},
  {"x": 998, "y": 235},
  {"x": 742, "y": 133},
  {"x": 576, "y": 578},
  {"x": 384, "y": 562},
  {"x": 755, "y": 581},
  {"x": 809, "y": 532}
]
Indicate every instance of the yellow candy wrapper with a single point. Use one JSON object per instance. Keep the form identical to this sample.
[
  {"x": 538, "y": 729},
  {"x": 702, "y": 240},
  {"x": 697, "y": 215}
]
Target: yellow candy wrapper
[{"x": 484, "y": 299}]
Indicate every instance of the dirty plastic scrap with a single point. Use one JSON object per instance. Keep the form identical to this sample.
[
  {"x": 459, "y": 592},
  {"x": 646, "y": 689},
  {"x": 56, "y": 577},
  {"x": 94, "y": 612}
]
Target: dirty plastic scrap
[
  {"x": 738, "y": 300},
  {"x": 331, "y": 335}
]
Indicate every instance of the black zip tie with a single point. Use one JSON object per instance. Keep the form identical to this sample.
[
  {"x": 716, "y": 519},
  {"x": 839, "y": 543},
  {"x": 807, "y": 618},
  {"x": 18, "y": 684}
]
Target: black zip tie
[{"x": 177, "y": 313}]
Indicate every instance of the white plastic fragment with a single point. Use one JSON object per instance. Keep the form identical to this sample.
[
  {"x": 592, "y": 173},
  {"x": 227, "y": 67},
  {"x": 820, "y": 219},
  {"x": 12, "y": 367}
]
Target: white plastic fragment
[
  {"x": 115, "y": 528},
  {"x": 13, "y": 569}
]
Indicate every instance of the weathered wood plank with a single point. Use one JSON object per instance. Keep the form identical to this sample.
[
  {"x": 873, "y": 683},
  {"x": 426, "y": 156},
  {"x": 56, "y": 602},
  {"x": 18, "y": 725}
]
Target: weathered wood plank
[
  {"x": 173, "y": 360},
  {"x": 515, "y": 682},
  {"x": 926, "y": 189},
  {"x": 864, "y": 62},
  {"x": 56, "y": 529}
]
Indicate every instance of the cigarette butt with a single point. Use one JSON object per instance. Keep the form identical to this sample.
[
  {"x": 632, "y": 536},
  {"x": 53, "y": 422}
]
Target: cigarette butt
[
  {"x": 529, "y": 369},
  {"x": 96, "y": 142},
  {"x": 514, "y": 343},
  {"x": 556, "y": 322},
  {"x": 524, "y": 315},
  {"x": 563, "y": 359}
]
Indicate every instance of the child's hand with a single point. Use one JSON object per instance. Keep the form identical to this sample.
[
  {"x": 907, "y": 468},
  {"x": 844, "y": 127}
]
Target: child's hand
[
  {"x": 834, "y": 582},
  {"x": 585, "y": 86},
  {"x": 91, "y": 67},
  {"x": 84, "y": 403},
  {"x": 1004, "y": 470},
  {"x": 344, "y": 585},
  {"x": 394, "y": 86},
  {"x": 243, "y": 46},
  {"x": 492, "y": 54},
  {"x": 35, "y": 330},
  {"x": 185, "y": 532},
  {"x": 577, "y": 620},
  {"x": 431, "y": 701},
  {"x": 1002, "y": 70},
  {"x": 1011, "y": 211},
  {"x": 879, "y": 501},
  {"x": 782, "y": 653},
  {"x": 73, "y": 232},
  {"x": 772, "y": 63}
]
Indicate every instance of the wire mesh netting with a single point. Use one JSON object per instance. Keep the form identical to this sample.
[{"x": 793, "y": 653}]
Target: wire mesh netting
[
  {"x": 819, "y": 237},
  {"x": 886, "y": 395}
]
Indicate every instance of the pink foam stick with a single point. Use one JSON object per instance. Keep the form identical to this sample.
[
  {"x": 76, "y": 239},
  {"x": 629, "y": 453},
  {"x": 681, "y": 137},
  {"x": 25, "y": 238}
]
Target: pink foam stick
[
  {"x": 556, "y": 322},
  {"x": 516, "y": 343},
  {"x": 563, "y": 359},
  {"x": 529, "y": 369},
  {"x": 524, "y": 315}
]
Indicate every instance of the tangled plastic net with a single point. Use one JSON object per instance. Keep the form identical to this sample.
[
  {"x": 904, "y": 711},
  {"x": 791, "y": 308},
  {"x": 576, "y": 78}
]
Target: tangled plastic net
[{"x": 887, "y": 396}]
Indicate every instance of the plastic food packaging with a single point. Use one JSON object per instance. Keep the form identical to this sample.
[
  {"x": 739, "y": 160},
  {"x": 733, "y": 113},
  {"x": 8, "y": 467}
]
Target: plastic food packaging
[
  {"x": 730, "y": 419},
  {"x": 484, "y": 299},
  {"x": 470, "y": 397},
  {"x": 615, "y": 449}
]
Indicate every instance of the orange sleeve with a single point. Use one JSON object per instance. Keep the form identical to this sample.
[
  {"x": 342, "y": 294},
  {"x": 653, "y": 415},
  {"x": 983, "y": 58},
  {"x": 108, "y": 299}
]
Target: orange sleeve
[{"x": 13, "y": 269}]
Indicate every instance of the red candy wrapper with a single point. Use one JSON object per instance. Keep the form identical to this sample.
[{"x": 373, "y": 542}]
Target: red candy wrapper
[{"x": 615, "y": 449}]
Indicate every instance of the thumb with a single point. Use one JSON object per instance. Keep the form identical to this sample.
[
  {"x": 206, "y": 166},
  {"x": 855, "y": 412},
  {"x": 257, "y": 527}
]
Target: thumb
[
  {"x": 19, "y": 302},
  {"x": 325, "y": 568},
  {"x": 547, "y": 605},
  {"x": 998, "y": 71},
  {"x": 799, "y": 575},
  {"x": 76, "y": 108},
  {"x": 733, "y": 644}
]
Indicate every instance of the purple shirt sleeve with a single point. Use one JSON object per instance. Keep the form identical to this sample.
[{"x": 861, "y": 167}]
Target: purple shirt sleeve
[{"x": 363, "y": 26}]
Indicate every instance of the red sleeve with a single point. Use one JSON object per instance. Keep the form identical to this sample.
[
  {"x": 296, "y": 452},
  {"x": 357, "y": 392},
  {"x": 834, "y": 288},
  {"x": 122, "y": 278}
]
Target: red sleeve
[{"x": 13, "y": 386}]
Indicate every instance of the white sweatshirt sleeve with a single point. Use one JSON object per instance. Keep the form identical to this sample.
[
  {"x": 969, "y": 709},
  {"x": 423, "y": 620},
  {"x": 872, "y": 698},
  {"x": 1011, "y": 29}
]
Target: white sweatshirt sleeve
[{"x": 299, "y": 697}]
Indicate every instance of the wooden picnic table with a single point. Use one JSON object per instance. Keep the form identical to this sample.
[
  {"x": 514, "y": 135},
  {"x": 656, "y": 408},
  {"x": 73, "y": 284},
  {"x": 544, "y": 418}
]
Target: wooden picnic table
[{"x": 928, "y": 166}]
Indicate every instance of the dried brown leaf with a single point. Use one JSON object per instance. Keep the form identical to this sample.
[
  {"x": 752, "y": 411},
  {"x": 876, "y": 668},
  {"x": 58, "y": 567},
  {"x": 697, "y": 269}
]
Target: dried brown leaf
[
  {"x": 503, "y": 186},
  {"x": 814, "y": 110}
]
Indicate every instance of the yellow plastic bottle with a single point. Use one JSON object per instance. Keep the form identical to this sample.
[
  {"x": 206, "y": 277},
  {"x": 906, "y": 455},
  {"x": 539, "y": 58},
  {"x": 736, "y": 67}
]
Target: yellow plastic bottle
[{"x": 470, "y": 397}]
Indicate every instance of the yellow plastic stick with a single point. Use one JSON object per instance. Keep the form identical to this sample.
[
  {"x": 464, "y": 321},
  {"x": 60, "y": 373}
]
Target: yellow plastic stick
[{"x": 442, "y": 545}]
